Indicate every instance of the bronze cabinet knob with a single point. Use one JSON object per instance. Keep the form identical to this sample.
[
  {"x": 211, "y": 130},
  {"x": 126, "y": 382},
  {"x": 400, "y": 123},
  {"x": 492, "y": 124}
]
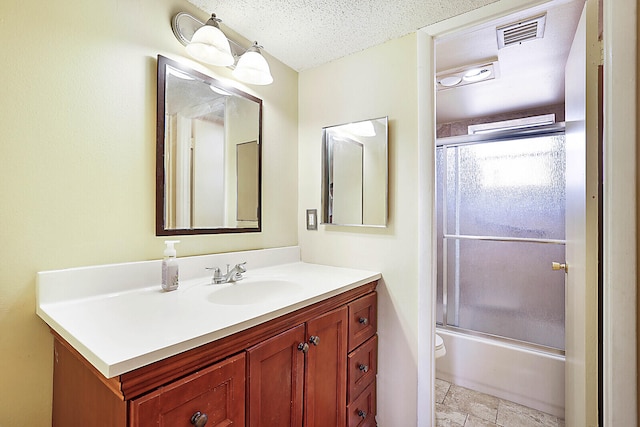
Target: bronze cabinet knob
[{"x": 199, "y": 419}]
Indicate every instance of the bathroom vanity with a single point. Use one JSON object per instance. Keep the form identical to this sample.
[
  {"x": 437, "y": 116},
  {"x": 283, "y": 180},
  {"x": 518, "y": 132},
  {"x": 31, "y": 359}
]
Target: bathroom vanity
[{"x": 307, "y": 357}]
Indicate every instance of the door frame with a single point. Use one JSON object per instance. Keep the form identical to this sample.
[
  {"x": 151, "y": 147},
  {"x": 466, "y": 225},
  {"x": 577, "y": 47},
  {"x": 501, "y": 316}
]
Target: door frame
[
  {"x": 619, "y": 362},
  {"x": 619, "y": 405}
]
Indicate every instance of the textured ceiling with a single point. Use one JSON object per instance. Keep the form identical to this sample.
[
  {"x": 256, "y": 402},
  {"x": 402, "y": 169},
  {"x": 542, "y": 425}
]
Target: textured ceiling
[
  {"x": 530, "y": 75},
  {"x": 306, "y": 33}
]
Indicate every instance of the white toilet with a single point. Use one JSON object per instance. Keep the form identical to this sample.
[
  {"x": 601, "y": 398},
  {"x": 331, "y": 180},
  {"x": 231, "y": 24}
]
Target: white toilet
[{"x": 440, "y": 349}]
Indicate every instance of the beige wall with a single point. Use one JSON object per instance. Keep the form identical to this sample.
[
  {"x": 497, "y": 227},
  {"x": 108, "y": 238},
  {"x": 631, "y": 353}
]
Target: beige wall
[
  {"x": 77, "y": 146},
  {"x": 638, "y": 205},
  {"x": 377, "y": 82}
]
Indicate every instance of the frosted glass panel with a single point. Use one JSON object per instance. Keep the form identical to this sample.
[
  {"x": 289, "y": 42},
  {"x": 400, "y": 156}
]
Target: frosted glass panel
[
  {"x": 488, "y": 192},
  {"x": 507, "y": 188},
  {"x": 507, "y": 289},
  {"x": 439, "y": 236}
]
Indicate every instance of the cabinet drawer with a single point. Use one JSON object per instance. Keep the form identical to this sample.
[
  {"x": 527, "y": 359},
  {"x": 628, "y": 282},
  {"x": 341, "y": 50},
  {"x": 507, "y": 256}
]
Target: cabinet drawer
[
  {"x": 363, "y": 319},
  {"x": 217, "y": 393},
  {"x": 362, "y": 411},
  {"x": 363, "y": 367}
]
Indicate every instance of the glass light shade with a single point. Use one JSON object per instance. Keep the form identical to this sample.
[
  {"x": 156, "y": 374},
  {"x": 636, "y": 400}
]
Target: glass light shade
[
  {"x": 210, "y": 45},
  {"x": 252, "y": 68}
]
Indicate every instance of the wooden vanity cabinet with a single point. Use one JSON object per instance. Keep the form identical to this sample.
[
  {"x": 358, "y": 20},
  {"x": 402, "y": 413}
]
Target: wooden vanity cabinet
[
  {"x": 326, "y": 370},
  {"x": 276, "y": 380},
  {"x": 214, "y": 396},
  {"x": 300, "y": 373},
  {"x": 289, "y": 371},
  {"x": 362, "y": 361},
  {"x": 362, "y": 411}
]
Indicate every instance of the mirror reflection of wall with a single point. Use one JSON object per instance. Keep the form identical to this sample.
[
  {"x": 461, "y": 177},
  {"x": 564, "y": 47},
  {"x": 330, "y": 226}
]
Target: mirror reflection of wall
[
  {"x": 355, "y": 173},
  {"x": 202, "y": 125},
  {"x": 207, "y": 174},
  {"x": 346, "y": 181},
  {"x": 247, "y": 155}
]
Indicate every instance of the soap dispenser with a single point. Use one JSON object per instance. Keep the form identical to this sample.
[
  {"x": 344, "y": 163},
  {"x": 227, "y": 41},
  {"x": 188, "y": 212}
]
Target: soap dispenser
[{"x": 170, "y": 267}]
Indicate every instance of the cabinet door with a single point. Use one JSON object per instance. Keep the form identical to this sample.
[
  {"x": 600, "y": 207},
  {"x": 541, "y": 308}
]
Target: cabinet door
[
  {"x": 275, "y": 380},
  {"x": 326, "y": 373},
  {"x": 217, "y": 393}
]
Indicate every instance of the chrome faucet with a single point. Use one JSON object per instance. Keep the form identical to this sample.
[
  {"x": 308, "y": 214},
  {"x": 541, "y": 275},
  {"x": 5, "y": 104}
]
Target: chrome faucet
[{"x": 232, "y": 275}]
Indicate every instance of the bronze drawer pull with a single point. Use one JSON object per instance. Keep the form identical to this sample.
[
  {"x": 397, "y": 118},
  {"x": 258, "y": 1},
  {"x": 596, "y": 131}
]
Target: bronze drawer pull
[
  {"x": 363, "y": 321},
  {"x": 362, "y": 414},
  {"x": 364, "y": 368}
]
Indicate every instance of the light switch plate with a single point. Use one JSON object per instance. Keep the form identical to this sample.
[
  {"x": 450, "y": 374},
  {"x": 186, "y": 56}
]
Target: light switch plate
[{"x": 312, "y": 219}]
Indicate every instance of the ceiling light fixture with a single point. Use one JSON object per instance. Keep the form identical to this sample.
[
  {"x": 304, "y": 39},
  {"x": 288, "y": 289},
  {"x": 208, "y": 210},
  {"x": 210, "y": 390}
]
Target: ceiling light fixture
[
  {"x": 477, "y": 74},
  {"x": 207, "y": 43},
  {"x": 450, "y": 81},
  {"x": 486, "y": 70}
]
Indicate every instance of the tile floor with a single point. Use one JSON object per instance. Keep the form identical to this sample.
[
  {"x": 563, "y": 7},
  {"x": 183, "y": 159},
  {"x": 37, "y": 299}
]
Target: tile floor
[{"x": 460, "y": 407}]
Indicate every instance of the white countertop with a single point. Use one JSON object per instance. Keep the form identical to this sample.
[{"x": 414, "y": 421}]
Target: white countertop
[{"x": 119, "y": 327}]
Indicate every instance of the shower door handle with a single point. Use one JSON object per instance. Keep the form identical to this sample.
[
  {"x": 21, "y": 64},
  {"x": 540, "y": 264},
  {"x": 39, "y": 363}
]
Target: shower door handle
[{"x": 559, "y": 266}]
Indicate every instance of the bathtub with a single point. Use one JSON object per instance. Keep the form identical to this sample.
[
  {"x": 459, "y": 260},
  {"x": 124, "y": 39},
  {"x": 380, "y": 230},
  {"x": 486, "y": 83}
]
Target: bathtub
[{"x": 528, "y": 377}]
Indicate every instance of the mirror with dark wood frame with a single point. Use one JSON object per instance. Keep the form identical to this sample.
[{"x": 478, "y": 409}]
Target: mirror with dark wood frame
[{"x": 208, "y": 154}]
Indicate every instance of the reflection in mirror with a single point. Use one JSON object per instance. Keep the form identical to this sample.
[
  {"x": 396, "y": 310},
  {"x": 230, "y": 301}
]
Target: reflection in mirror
[
  {"x": 354, "y": 178},
  {"x": 247, "y": 188},
  {"x": 208, "y": 154}
]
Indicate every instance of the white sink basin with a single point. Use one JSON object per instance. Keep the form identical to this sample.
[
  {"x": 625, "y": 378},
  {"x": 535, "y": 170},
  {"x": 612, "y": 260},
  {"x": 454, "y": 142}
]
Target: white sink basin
[{"x": 253, "y": 291}]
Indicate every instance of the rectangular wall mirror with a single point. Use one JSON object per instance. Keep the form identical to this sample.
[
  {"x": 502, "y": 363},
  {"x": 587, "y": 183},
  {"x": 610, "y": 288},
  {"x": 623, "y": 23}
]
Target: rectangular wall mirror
[
  {"x": 355, "y": 173},
  {"x": 208, "y": 156}
]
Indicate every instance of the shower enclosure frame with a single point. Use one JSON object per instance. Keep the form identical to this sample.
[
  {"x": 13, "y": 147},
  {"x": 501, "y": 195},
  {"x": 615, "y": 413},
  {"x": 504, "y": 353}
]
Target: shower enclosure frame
[{"x": 472, "y": 139}]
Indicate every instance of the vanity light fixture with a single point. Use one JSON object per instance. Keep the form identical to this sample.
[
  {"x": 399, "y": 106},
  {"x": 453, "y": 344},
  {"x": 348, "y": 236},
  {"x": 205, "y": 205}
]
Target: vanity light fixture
[
  {"x": 207, "y": 43},
  {"x": 210, "y": 45},
  {"x": 253, "y": 68},
  {"x": 486, "y": 70}
]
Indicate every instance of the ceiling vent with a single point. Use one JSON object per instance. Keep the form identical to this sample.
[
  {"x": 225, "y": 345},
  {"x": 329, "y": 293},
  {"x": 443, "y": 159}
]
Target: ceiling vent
[{"x": 521, "y": 31}]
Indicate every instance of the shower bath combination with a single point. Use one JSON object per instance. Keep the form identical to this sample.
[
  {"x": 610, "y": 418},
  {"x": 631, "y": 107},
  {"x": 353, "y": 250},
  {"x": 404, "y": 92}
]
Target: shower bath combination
[{"x": 500, "y": 208}]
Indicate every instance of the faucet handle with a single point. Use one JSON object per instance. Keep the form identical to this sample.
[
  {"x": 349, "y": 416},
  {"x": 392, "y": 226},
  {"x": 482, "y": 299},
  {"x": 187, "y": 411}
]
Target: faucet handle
[
  {"x": 241, "y": 267},
  {"x": 217, "y": 275}
]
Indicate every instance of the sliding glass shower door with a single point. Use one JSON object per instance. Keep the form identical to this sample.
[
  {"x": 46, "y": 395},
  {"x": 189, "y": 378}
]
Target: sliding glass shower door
[{"x": 501, "y": 224}]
